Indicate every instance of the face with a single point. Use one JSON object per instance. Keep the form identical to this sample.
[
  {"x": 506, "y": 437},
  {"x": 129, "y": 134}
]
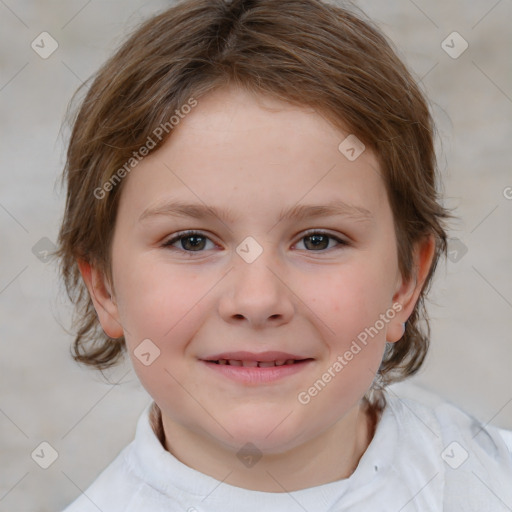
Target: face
[{"x": 262, "y": 272}]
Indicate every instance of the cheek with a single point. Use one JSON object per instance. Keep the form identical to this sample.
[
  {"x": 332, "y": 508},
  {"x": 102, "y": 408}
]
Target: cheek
[
  {"x": 156, "y": 298},
  {"x": 162, "y": 305},
  {"x": 349, "y": 304},
  {"x": 349, "y": 298}
]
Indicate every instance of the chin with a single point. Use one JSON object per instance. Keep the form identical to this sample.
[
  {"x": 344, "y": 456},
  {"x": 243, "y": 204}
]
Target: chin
[{"x": 268, "y": 435}]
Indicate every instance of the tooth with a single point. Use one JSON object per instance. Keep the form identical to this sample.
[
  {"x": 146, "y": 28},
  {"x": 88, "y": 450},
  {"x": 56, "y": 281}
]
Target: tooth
[
  {"x": 266, "y": 364},
  {"x": 251, "y": 364},
  {"x": 280, "y": 362},
  {"x": 235, "y": 362},
  {"x": 290, "y": 361},
  {"x": 222, "y": 361}
]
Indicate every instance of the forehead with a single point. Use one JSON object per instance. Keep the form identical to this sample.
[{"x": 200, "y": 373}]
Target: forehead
[
  {"x": 250, "y": 153},
  {"x": 228, "y": 112}
]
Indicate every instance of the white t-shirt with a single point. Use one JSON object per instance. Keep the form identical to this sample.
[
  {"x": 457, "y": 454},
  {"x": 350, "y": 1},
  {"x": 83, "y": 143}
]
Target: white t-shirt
[{"x": 421, "y": 458}]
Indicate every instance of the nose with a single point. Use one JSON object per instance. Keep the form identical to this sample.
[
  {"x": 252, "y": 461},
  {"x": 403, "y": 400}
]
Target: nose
[{"x": 257, "y": 293}]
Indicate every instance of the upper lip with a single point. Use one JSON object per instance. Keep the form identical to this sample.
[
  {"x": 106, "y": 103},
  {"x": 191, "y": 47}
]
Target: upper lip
[{"x": 252, "y": 356}]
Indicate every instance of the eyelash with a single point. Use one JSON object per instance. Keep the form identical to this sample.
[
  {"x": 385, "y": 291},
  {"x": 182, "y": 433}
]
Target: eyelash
[{"x": 186, "y": 234}]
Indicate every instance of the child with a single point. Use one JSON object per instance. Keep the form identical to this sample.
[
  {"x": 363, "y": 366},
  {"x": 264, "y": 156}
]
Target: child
[{"x": 252, "y": 215}]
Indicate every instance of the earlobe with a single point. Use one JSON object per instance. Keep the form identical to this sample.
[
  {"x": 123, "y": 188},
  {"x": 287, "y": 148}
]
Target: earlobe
[
  {"x": 408, "y": 292},
  {"x": 395, "y": 330},
  {"x": 102, "y": 298}
]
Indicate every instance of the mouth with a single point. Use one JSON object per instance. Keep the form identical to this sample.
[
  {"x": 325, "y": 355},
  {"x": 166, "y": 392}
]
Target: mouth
[
  {"x": 259, "y": 364},
  {"x": 256, "y": 369}
]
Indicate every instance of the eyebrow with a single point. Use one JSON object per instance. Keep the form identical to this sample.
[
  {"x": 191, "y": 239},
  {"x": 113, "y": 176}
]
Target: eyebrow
[{"x": 297, "y": 212}]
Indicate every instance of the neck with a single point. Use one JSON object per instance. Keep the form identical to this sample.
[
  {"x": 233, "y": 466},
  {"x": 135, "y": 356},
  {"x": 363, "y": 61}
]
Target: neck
[{"x": 319, "y": 461}]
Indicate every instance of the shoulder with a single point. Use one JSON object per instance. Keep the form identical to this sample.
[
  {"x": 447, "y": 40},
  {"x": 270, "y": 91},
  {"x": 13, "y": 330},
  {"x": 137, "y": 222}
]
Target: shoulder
[
  {"x": 473, "y": 459},
  {"x": 139, "y": 478},
  {"x": 450, "y": 423},
  {"x": 506, "y": 435},
  {"x": 119, "y": 486},
  {"x": 113, "y": 490}
]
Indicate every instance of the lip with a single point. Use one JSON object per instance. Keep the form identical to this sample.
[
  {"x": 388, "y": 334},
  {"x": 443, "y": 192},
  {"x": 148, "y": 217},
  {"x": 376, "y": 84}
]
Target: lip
[
  {"x": 253, "y": 356},
  {"x": 256, "y": 375}
]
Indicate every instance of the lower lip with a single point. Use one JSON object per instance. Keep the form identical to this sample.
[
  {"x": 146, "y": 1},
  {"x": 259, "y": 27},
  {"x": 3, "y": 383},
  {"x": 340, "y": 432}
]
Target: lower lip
[{"x": 255, "y": 374}]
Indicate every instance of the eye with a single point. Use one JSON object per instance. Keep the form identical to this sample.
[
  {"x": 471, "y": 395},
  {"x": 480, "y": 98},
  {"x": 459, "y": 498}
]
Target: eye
[
  {"x": 195, "y": 241},
  {"x": 319, "y": 240},
  {"x": 190, "y": 241}
]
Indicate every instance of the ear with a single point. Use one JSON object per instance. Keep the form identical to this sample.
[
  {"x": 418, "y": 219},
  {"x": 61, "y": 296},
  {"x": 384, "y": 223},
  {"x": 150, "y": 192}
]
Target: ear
[
  {"x": 102, "y": 298},
  {"x": 408, "y": 291}
]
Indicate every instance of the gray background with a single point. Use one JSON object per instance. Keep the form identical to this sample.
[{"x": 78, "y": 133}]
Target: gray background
[{"x": 45, "y": 396}]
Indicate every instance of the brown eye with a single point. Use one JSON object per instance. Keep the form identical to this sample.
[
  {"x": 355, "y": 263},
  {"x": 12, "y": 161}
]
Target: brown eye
[
  {"x": 191, "y": 241},
  {"x": 318, "y": 241}
]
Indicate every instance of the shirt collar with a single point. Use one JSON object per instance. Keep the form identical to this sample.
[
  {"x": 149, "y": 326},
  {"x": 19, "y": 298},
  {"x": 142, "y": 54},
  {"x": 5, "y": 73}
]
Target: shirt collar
[{"x": 164, "y": 472}]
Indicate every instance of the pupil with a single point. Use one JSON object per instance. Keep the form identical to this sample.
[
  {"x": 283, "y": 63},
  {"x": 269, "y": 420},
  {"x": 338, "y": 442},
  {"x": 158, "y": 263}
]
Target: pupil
[
  {"x": 318, "y": 240},
  {"x": 196, "y": 242}
]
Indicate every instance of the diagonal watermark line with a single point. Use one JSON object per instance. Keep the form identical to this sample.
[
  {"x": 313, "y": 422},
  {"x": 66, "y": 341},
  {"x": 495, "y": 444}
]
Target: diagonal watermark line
[
  {"x": 287, "y": 492},
  {"x": 207, "y": 292},
  {"x": 12, "y": 78},
  {"x": 491, "y": 491},
  {"x": 75, "y": 15},
  {"x": 403, "y": 403},
  {"x": 489, "y": 283},
  {"x": 95, "y": 404},
  {"x": 485, "y": 15},
  {"x": 424, "y": 13},
  {"x": 14, "y": 485},
  {"x": 280, "y": 423},
  {"x": 414, "y": 497},
  {"x": 14, "y": 423},
  {"x": 79, "y": 79},
  {"x": 332, "y": 332},
  {"x": 14, "y": 14},
  {"x": 492, "y": 81},
  {"x": 213, "y": 213},
  {"x": 431, "y": 69},
  {"x": 487, "y": 423},
  {"x": 199, "y": 403},
  {"x": 81, "y": 491},
  {"x": 306, "y": 194},
  {"x": 215, "y": 488},
  {"x": 485, "y": 218},
  {"x": 13, "y": 217},
  {"x": 125, "y": 330},
  {"x": 12, "y": 280}
]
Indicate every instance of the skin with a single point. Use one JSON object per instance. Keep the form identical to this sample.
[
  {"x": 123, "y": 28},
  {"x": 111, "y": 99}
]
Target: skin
[{"x": 256, "y": 156}]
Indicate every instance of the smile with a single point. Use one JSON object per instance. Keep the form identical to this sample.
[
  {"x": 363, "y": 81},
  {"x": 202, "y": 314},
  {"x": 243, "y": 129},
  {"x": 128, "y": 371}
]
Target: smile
[
  {"x": 253, "y": 373},
  {"x": 259, "y": 364}
]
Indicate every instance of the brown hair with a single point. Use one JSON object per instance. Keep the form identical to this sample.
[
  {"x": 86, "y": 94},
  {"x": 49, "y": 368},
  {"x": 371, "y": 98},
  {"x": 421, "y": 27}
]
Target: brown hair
[{"x": 305, "y": 52}]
